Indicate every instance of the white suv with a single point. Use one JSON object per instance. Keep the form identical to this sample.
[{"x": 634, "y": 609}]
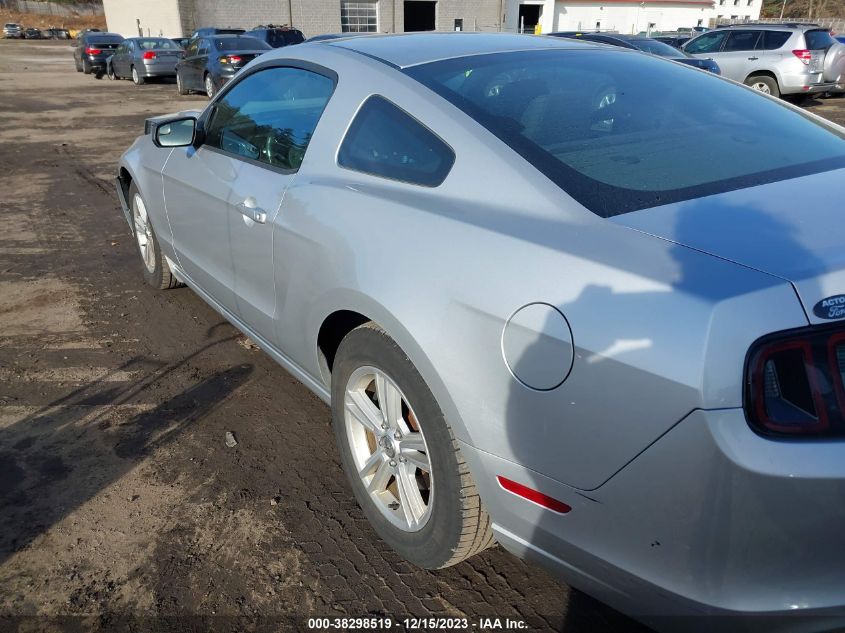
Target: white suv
[
  {"x": 777, "y": 59},
  {"x": 12, "y": 31}
]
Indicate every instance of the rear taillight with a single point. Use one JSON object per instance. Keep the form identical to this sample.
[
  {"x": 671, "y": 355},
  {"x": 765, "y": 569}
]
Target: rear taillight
[
  {"x": 149, "y": 55},
  {"x": 804, "y": 55},
  {"x": 230, "y": 59},
  {"x": 794, "y": 383},
  {"x": 93, "y": 51}
]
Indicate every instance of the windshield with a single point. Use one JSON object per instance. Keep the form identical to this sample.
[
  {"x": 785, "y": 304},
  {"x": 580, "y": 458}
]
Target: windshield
[
  {"x": 620, "y": 132},
  {"x": 157, "y": 44},
  {"x": 658, "y": 48},
  {"x": 240, "y": 43}
]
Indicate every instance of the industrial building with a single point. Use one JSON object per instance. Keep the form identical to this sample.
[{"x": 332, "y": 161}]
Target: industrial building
[{"x": 178, "y": 18}]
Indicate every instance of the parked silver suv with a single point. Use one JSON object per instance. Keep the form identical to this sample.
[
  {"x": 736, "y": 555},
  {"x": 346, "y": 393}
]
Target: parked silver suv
[
  {"x": 776, "y": 59},
  {"x": 12, "y": 31}
]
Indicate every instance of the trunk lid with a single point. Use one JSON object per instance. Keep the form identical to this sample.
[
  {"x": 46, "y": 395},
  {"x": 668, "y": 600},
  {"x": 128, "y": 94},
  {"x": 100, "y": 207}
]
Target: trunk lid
[{"x": 790, "y": 229}]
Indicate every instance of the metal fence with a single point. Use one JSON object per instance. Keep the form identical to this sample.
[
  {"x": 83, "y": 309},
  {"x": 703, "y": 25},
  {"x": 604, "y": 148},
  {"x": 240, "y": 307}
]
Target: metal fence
[
  {"x": 835, "y": 24},
  {"x": 62, "y": 9}
]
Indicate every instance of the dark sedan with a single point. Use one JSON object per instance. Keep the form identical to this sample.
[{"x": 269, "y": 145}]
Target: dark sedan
[
  {"x": 647, "y": 45},
  {"x": 92, "y": 49},
  {"x": 142, "y": 58},
  {"x": 210, "y": 62}
]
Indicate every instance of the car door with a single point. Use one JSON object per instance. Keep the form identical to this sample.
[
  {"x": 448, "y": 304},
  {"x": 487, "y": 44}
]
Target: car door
[
  {"x": 186, "y": 66},
  {"x": 200, "y": 64},
  {"x": 197, "y": 184},
  {"x": 120, "y": 62},
  {"x": 739, "y": 56},
  {"x": 708, "y": 45},
  {"x": 265, "y": 122}
]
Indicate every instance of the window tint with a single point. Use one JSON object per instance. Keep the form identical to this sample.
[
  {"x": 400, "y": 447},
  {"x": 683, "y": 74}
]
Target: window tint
[
  {"x": 281, "y": 37},
  {"x": 818, "y": 40},
  {"x": 239, "y": 43},
  {"x": 773, "y": 40},
  {"x": 741, "y": 41},
  {"x": 105, "y": 39},
  {"x": 623, "y": 132},
  {"x": 707, "y": 43},
  {"x": 203, "y": 47},
  {"x": 386, "y": 141},
  {"x": 270, "y": 116}
]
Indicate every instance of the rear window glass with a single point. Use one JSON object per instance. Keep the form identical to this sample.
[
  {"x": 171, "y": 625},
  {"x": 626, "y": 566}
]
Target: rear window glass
[
  {"x": 104, "y": 39},
  {"x": 774, "y": 39},
  {"x": 158, "y": 44},
  {"x": 620, "y": 132},
  {"x": 278, "y": 37},
  {"x": 386, "y": 141},
  {"x": 239, "y": 44},
  {"x": 818, "y": 40}
]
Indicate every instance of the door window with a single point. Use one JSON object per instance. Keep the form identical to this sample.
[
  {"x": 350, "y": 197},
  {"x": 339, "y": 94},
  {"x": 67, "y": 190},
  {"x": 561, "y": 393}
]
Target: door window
[
  {"x": 270, "y": 116},
  {"x": 707, "y": 43},
  {"x": 741, "y": 41},
  {"x": 192, "y": 49},
  {"x": 203, "y": 48},
  {"x": 772, "y": 40}
]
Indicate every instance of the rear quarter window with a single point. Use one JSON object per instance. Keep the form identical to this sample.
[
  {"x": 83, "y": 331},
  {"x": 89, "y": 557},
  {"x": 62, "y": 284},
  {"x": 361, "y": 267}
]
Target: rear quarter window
[{"x": 386, "y": 141}]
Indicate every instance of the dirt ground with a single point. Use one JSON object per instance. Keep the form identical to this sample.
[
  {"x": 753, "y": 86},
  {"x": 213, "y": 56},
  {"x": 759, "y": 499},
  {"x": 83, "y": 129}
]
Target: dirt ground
[
  {"x": 119, "y": 499},
  {"x": 121, "y": 507}
]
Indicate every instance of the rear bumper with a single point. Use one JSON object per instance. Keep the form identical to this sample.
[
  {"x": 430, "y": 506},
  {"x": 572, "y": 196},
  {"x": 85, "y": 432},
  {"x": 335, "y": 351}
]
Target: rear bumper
[
  {"x": 167, "y": 69},
  {"x": 710, "y": 520},
  {"x": 804, "y": 83}
]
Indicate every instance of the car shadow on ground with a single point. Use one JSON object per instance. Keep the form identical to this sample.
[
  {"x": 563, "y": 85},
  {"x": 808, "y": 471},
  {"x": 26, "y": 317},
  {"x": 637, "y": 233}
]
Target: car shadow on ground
[{"x": 61, "y": 455}]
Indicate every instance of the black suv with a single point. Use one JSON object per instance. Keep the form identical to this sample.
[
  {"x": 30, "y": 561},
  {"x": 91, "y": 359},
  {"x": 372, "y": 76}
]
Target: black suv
[{"x": 277, "y": 36}]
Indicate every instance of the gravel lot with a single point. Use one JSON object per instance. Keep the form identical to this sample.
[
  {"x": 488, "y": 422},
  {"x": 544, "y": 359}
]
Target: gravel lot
[{"x": 120, "y": 502}]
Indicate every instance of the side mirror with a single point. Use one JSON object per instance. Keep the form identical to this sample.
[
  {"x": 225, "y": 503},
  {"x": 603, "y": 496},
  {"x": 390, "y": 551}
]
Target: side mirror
[{"x": 176, "y": 133}]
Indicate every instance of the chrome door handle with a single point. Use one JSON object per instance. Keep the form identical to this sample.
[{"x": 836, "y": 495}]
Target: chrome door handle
[
  {"x": 753, "y": 58},
  {"x": 255, "y": 214}
]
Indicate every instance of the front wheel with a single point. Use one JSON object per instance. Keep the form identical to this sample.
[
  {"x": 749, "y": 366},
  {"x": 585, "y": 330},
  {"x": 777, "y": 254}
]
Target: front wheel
[
  {"x": 156, "y": 269},
  {"x": 139, "y": 81},
  {"x": 763, "y": 83},
  {"x": 110, "y": 72},
  {"x": 400, "y": 456}
]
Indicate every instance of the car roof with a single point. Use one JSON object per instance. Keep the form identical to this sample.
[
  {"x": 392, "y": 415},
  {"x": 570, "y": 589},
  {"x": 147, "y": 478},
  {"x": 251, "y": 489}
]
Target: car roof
[
  {"x": 777, "y": 27},
  {"x": 410, "y": 49}
]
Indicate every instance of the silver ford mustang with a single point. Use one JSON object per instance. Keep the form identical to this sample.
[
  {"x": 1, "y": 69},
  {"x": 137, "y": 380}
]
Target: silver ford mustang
[{"x": 578, "y": 300}]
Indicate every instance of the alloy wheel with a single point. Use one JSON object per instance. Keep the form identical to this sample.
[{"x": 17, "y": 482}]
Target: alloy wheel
[
  {"x": 762, "y": 87},
  {"x": 388, "y": 448},
  {"x": 143, "y": 232},
  {"x": 209, "y": 86}
]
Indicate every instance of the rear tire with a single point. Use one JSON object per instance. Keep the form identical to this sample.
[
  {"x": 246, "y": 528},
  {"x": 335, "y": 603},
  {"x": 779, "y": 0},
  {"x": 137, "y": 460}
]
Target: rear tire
[
  {"x": 180, "y": 87},
  {"x": 450, "y": 523},
  {"x": 763, "y": 83},
  {"x": 156, "y": 270},
  {"x": 78, "y": 65},
  {"x": 86, "y": 67},
  {"x": 136, "y": 78},
  {"x": 210, "y": 90}
]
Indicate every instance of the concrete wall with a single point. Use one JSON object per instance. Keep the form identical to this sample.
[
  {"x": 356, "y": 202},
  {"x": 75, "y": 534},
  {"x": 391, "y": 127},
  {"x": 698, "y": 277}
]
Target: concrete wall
[
  {"x": 622, "y": 16},
  {"x": 630, "y": 18},
  {"x": 53, "y": 8},
  {"x": 157, "y": 17}
]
